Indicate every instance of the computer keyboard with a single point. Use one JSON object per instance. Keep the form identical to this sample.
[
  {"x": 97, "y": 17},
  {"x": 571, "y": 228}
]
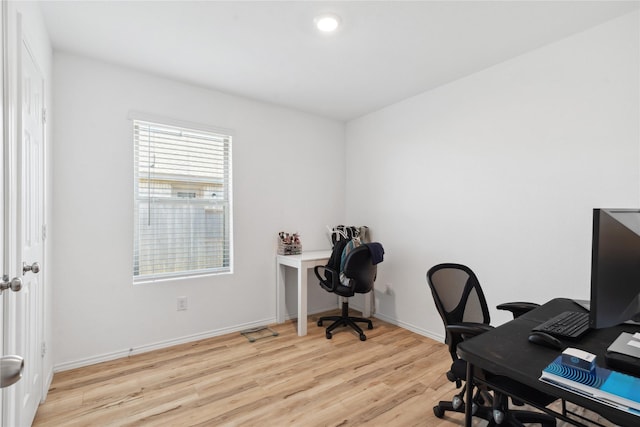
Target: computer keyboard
[{"x": 569, "y": 324}]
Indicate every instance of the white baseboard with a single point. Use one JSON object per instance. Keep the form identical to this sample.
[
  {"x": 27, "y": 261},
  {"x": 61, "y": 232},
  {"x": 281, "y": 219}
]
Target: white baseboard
[
  {"x": 290, "y": 316},
  {"x": 410, "y": 327},
  {"x": 156, "y": 346},
  {"x": 214, "y": 333},
  {"x": 168, "y": 343}
]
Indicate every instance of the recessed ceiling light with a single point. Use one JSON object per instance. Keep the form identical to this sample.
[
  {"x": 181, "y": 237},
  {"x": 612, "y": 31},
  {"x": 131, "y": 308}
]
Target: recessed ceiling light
[{"x": 327, "y": 23}]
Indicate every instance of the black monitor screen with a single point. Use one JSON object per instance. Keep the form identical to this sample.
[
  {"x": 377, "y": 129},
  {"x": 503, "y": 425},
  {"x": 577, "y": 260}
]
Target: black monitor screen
[{"x": 615, "y": 267}]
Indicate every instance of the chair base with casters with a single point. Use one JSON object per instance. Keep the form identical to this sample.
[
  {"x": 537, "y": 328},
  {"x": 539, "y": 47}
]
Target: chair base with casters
[
  {"x": 345, "y": 320},
  {"x": 457, "y": 404},
  {"x": 494, "y": 407},
  {"x": 508, "y": 417},
  {"x": 482, "y": 400}
]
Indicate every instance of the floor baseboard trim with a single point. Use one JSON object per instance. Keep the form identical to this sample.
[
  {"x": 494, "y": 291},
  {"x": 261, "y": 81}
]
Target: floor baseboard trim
[
  {"x": 410, "y": 327},
  {"x": 290, "y": 316},
  {"x": 65, "y": 366}
]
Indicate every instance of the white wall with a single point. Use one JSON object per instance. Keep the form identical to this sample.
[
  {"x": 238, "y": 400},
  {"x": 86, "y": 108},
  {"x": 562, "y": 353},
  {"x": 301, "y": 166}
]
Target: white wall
[
  {"x": 500, "y": 171},
  {"x": 286, "y": 176}
]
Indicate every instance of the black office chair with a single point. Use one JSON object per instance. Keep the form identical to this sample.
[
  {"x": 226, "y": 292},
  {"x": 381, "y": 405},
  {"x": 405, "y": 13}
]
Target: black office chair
[
  {"x": 463, "y": 308},
  {"x": 360, "y": 273}
]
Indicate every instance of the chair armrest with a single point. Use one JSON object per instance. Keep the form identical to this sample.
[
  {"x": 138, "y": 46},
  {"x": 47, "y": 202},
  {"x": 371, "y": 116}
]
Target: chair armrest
[
  {"x": 330, "y": 279},
  {"x": 468, "y": 329},
  {"x": 518, "y": 308}
]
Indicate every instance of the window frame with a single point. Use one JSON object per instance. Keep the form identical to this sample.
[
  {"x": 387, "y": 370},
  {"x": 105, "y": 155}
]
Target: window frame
[{"x": 228, "y": 218}]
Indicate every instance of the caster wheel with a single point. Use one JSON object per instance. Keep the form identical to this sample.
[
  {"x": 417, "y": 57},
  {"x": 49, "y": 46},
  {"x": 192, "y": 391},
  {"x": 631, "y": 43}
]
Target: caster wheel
[
  {"x": 319, "y": 322},
  {"x": 370, "y": 326},
  {"x": 363, "y": 337},
  {"x": 438, "y": 411},
  {"x": 328, "y": 334}
]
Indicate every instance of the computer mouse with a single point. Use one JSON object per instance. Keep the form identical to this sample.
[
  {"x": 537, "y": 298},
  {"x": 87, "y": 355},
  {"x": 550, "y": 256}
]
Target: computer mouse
[{"x": 544, "y": 339}]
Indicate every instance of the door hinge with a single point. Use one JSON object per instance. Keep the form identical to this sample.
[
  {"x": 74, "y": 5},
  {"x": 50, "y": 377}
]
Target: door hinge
[
  {"x": 44, "y": 231},
  {"x": 44, "y": 115},
  {"x": 44, "y": 349}
]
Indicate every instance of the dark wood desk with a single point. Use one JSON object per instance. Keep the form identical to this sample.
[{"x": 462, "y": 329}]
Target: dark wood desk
[{"x": 507, "y": 351}]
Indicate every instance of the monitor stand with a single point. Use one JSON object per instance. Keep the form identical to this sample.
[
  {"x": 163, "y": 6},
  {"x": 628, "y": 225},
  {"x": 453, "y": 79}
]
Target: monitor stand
[{"x": 584, "y": 303}]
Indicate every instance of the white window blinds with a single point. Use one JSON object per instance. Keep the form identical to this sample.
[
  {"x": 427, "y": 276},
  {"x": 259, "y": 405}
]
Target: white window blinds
[{"x": 182, "y": 201}]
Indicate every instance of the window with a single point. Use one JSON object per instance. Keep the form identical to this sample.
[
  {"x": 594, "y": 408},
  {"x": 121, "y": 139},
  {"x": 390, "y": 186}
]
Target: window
[{"x": 182, "y": 187}]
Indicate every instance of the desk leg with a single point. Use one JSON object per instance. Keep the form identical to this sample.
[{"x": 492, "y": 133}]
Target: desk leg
[
  {"x": 280, "y": 293},
  {"x": 368, "y": 298},
  {"x": 468, "y": 400},
  {"x": 302, "y": 301}
]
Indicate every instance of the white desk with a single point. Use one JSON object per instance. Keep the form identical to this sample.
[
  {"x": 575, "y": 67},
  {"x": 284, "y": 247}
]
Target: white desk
[{"x": 302, "y": 262}]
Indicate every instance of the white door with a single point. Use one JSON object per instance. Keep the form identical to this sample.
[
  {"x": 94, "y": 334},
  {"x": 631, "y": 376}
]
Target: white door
[
  {"x": 30, "y": 195},
  {"x": 3, "y": 263}
]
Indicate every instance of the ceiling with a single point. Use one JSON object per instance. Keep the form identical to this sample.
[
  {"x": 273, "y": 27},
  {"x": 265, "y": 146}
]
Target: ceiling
[{"x": 384, "y": 51}]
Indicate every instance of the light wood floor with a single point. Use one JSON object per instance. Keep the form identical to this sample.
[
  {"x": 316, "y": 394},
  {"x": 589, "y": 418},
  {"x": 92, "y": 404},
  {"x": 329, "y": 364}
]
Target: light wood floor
[{"x": 392, "y": 379}]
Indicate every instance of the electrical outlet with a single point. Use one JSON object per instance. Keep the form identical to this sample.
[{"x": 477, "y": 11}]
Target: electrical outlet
[{"x": 182, "y": 303}]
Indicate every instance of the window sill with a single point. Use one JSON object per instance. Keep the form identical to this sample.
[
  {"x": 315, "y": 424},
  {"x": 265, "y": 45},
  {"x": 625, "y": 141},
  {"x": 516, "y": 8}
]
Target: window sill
[{"x": 180, "y": 277}]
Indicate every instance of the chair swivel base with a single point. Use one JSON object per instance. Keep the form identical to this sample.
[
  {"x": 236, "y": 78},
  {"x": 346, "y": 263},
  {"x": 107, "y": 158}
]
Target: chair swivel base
[
  {"x": 481, "y": 405},
  {"x": 506, "y": 419},
  {"x": 345, "y": 320}
]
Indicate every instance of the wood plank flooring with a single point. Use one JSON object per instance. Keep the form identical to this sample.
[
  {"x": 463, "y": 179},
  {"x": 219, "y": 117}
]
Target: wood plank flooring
[{"x": 392, "y": 379}]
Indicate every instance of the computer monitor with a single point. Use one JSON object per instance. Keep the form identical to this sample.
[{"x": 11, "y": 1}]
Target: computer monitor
[{"x": 615, "y": 267}]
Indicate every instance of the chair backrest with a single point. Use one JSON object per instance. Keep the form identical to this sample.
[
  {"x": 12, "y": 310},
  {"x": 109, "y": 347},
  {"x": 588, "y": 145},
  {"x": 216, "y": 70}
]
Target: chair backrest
[
  {"x": 360, "y": 270},
  {"x": 357, "y": 274},
  {"x": 458, "y": 298}
]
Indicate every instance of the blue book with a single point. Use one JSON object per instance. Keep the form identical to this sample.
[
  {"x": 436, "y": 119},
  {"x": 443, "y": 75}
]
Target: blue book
[{"x": 611, "y": 388}]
